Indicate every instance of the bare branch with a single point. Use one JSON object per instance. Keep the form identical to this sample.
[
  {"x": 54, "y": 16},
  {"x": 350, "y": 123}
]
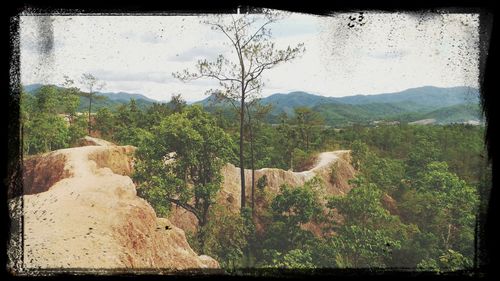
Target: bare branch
[
  {"x": 186, "y": 206},
  {"x": 282, "y": 56},
  {"x": 232, "y": 101},
  {"x": 241, "y": 81},
  {"x": 257, "y": 32},
  {"x": 219, "y": 26}
]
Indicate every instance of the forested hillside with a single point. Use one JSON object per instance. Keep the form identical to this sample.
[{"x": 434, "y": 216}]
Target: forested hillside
[
  {"x": 446, "y": 105},
  {"x": 106, "y": 100},
  {"x": 414, "y": 198},
  {"x": 259, "y": 142}
]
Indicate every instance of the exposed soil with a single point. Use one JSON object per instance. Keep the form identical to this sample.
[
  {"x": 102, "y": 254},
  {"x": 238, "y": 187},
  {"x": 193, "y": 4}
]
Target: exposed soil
[
  {"x": 230, "y": 194},
  {"x": 81, "y": 211}
]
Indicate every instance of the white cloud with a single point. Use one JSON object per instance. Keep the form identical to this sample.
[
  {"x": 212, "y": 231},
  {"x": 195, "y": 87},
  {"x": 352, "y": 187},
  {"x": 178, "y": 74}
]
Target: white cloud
[
  {"x": 390, "y": 52},
  {"x": 196, "y": 53}
]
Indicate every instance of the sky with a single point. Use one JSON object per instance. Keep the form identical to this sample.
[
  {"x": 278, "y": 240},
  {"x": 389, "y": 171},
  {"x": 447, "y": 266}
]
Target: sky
[{"x": 380, "y": 53}]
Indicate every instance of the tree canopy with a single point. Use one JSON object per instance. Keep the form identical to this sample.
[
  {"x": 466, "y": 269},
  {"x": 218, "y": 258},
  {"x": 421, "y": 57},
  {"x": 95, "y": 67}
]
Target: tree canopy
[{"x": 240, "y": 79}]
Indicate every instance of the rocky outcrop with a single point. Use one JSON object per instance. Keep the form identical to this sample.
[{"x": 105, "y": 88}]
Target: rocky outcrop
[
  {"x": 336, "y": 162},
  {"x": 81, "y": 211},
  {"x": 35, "y": 176}
]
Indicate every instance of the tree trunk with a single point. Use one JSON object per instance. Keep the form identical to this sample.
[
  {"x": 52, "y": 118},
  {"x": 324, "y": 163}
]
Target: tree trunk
[
  {"x": 201, "y": 224},
  {"x": 252, "y": 161},
  {"x": 307, "y": 140},
  {"x": 90, "y": 109},
  {"x": 202, "y": 219},
  {"x": 242, "y": 167},
  {"x": 201, "y": 236},
  {"x": 242, "y": 121}
]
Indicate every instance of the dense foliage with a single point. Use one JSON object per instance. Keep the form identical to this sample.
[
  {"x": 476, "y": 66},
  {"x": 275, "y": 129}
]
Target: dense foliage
[
  {"x": 49, "y": 120},
  {"x": 179, "y": 162},
  {"x": 413, "y": 204}
]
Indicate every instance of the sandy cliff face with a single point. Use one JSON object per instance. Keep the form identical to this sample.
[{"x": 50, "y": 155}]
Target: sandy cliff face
[
  {"x": 230, "y": 194},
  {"x": 81, "y": 211}
]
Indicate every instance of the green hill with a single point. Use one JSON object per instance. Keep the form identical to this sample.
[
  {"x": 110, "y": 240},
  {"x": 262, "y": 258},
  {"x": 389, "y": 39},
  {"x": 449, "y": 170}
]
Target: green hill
[
  {"x": 343, "y": 114},
  {"x": 445, "y": 105},
  {"x": 427, "y": 96},
  {"x": 456, "y": 114},
  {"x": 108, "y": 100}
]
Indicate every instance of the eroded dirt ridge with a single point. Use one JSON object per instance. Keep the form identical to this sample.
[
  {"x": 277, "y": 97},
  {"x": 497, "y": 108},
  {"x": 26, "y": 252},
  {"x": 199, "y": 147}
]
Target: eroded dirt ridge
[
  {"x": 81, "y": 211},
  {"x": 230, "y": 195},
  {"x": 85, "y": 213}
]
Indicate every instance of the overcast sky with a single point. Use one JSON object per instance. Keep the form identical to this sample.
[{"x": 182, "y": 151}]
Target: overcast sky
[{"x": 381, "y": 53}]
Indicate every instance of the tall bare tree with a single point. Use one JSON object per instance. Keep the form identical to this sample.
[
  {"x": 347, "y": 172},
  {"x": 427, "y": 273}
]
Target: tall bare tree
[
  {"x": 240, "y": 80},
  {"x": 256, "y": 112},
  {"x": 93, "y": 85}
]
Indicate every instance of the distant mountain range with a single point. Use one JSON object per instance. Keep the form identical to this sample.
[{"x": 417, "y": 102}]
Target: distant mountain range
[
  {"x": 123, "y": 96},
  {"x": 445, "y": 105},
  {"x": 427, "y": 96}
]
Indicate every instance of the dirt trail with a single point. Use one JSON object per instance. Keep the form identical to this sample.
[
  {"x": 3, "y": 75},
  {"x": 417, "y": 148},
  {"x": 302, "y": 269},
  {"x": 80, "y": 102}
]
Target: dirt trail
[
  {"x": 327, "y": 158},
  {"x": 324, "y": 160},
  {"x": 92, "y": 219},
  {"x": 230, "y": 194}
]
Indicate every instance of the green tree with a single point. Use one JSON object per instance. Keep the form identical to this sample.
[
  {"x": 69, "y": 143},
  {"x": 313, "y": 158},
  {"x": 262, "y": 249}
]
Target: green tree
[
  {"x": 444, "y": 208},
  {"x": 93, "y": 84},
  {"x": 46, "y": 100},
  {"x": 180, "y": 164},
  {"x": 255, "y": 114},
  {"x": 307, "y": 122},
  {"x": 290, "y": 209},
  {"x": 26, "y": 104},
  {"x": 241, "y": 80},
  {"x": 362, "y": 205},
  {"x": 225, "y": 235},
  {"x": 458, "y": 207},
  {"x": 177, "y": 103},
  {"x": 104, "y": 122},
  {"x": 134, "y": 113},
  {"x": 288, "y": 139},
  {"x": 423, "y": 152},
  {"x": 295, "y": 206},
  {"x": 229, "y": 237},
  {"x": 359, "y": 153},
  {"x": 154, "y": 114},
  {"x": 132, "y": 136},
  {"x": 369, "y": 233},
  {"x": 449, "y": 260},
  {"x": 386, "y": 173},
  {"x": 70, "y": 99},
  {"x": 361, "y": 247},
  {"x": 129, "y": 124},
  {"x": 294, "y": 259},
  {"x": 123, "y": 116},
  {"x": 43, "y": 116},
  {"x": 46, "y": 133},
  {"x": 77, "y": 129}
]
